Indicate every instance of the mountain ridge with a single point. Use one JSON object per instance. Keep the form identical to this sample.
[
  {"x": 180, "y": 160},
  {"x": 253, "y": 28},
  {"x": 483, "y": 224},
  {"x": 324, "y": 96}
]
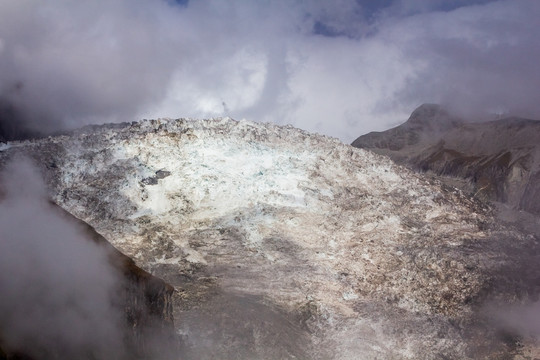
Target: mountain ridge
[{"x": 500, "y": 159}]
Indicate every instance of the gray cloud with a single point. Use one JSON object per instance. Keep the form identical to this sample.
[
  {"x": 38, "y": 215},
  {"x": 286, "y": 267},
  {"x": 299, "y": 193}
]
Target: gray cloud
[
  {"x": 56, "y": 286},
  {"x": 341, "y": 69},
  {"x": 66, "y": 62},
  {"x": 477, "y": 59}
]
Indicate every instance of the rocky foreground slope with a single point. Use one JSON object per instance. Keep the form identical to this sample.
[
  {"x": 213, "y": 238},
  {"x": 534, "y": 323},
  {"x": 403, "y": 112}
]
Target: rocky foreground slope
[
  {"x": 77, "y": 297},
  {"x": 287, "y": 245},
  {"x": 500, "y": 160}
]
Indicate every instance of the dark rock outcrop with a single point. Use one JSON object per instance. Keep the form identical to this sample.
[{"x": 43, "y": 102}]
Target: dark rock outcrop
[
  {"x": 499, "y": 160},
  {"x": 145, "y": 301}
]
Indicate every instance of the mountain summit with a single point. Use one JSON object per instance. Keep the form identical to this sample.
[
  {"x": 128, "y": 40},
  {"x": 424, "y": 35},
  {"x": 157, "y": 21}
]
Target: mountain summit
[
  {"x": 500, "y": 159},
  {"x": 284, "y": 244}
]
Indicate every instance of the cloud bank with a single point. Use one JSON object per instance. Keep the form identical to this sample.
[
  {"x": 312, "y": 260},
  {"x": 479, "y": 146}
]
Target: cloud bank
[{"x": 340, "y": 68}]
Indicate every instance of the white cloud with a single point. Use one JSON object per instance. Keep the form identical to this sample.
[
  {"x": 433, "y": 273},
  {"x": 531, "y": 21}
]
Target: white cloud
[
  {"x": 233, "y": 82},
  {"x": 265, "y": 61}
]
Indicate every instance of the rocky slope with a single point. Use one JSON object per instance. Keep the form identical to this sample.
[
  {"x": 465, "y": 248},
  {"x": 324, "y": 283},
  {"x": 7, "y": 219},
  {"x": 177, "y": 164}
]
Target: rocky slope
[
  {"x": 283, "y": 244},
  {"x": 143, "y": 300},
  {"x": 499, "y": 160}
]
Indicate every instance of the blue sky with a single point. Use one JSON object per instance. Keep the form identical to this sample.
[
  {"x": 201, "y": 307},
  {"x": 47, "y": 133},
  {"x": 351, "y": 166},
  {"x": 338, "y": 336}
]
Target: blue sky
[{"x": 340, "y": 68}]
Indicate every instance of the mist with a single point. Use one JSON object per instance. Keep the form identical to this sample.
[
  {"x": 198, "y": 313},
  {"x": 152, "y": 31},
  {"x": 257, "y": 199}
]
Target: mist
[
  {"x": 523, "y": 320},
  {"x": 342, "y": 69},
  {"x": 56, "y": 285}
]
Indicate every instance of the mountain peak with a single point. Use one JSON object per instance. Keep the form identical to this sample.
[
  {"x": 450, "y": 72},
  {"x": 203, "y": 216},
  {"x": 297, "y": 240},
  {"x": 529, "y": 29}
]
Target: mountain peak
[
  {"x": 499, "y": 158},
  {"x": 427, "y": 110},
  {"x": 434, "y": 117}
]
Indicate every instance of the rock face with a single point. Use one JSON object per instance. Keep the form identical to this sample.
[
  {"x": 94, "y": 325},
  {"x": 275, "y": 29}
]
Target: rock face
[
  {"x": 283, "y": 244},
  {"x": 144, "y": 300},
  {"x": 499, "y": 160}
]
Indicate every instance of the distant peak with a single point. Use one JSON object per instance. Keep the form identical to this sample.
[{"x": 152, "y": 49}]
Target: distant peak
[
  {"x": 433, "y": 115},
  {"x": 425, "y": 111}
]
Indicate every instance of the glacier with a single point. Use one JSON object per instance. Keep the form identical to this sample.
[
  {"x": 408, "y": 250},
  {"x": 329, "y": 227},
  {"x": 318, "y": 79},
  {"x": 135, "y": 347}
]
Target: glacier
[{"x": 286, "y": 244}]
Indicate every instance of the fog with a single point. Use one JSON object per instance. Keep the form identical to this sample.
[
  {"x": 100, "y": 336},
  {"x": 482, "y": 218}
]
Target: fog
[
  {"x": 57, "y": 286},
  {"x": 342, "y": 68},
  {"x": 523, "y": 320}
]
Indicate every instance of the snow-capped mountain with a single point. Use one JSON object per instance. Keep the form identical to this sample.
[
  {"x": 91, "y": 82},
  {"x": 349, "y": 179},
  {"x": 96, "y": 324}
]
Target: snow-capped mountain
[{"x": 284, "y": 244}]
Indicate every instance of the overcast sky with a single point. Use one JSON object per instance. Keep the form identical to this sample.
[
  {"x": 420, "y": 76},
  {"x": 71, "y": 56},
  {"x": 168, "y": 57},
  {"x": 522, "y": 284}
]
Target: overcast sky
[{"x": 340, "y": 68}]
